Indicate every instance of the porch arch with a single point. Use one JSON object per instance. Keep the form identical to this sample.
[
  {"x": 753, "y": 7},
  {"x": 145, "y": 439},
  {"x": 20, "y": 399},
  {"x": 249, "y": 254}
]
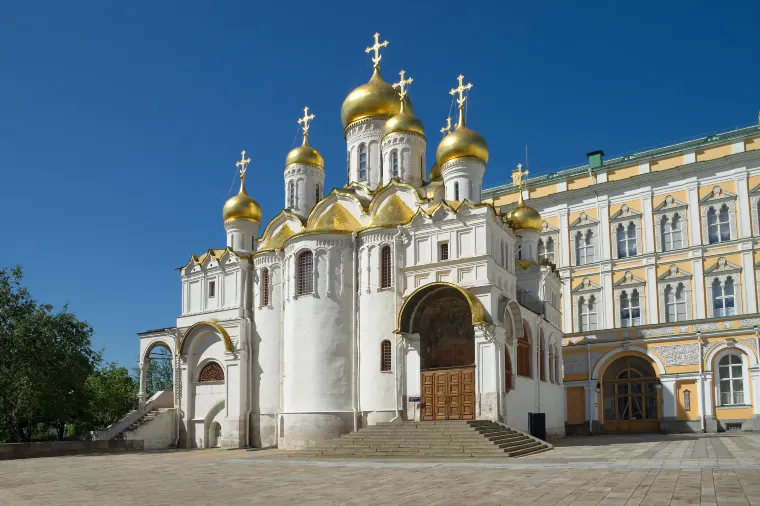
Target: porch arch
[
  {"x": 415, "y": 299},
  {"x": 196, "y": 326},
  {"x": 612, "y": 355}
]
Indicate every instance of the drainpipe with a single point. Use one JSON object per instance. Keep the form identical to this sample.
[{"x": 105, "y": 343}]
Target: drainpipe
[
  {"x": 354, "y": 316},
  {"x": 590, "y": 392},
  {"x": 396, "y": 394},
  {"x": 702, "y": 383},
  {"x": 249, "y": 328},
  {"x": 283, "y": 283},
  {"x": 177, "y": 388}
]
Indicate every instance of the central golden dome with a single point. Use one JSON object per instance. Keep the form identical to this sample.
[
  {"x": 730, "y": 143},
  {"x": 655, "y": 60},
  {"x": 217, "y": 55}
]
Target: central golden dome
[
  {"x": 524, "y": 217},
  {"x": 241, "y": 207},
  {"x": 376, "y": 98},
  {"x": 435, "y": 172},
  {"x": 460, "y": 143},
  {"x": 404, "y": 122},
  {"x": 305, "y": 154}
]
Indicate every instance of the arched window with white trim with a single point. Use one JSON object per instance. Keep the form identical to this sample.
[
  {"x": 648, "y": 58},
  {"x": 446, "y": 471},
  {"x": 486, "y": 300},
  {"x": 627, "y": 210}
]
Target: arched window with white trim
[
  {"x": 626, "y": 240},
  {"x": 508, "y": 375},
  {"x": 386, "y": 267},
  {"x": 264, "y": 287},
  {"x": 292, "y": 194},
  {"x": 524, "y": 352},
  {"x": 456, "y": 190},
  {"x": 718, "y": 224},
  {"x": 386, "y": 356},
  {"x": 587, "y": 314},
  {"x": 723, "y": 297},
  {"x": 630, "y": 309},
  {"x": 394, "y": 163},
  {"x": 318, "y": 193},
  {"x": 542, "y": 357},
  {"x": 672, "y": 233},
  {"x": 362, "y": 162},
  {"x": 305, "y": 273},
  {"x": 584, "y": 247},
  {"x": 675, "y": 303},
  {"x": 732, "y": 385}
]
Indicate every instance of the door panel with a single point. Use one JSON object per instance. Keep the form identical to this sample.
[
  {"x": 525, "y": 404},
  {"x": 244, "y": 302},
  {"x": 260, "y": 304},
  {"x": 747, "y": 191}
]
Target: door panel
[{"x": 448, "y": 394}]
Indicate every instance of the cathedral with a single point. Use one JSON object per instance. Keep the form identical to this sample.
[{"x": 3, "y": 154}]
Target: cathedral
[{"x": 402, "y": 295}]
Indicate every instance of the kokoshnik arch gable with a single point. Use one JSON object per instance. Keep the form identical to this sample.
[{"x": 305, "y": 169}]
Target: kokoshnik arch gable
[{"x": 402, "y": 284}]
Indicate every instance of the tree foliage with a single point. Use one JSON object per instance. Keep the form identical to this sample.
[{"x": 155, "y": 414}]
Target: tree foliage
[
  {"x": 159, "y": 376},
  {"x": 49, "y": 376}
]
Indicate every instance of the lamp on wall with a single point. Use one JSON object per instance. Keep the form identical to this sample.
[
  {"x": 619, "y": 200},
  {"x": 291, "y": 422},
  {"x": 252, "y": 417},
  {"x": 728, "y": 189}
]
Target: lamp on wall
[
  {"x": 598, "y": 387},
  {"x": 658, "y": 385}
]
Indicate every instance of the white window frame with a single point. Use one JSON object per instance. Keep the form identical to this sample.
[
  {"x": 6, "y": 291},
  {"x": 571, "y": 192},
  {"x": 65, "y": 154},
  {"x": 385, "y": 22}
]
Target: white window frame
[
  {"x": 629, "y": 321},
  {"x": 669, "y": 209},
  {"x": 584, "y": 225},
  {"x": 628, "y": 284},
  {"x": 581, "y": 294},
  {"x": 673, "y": 278},
  {"x": 721, "y": 271},
  {"x": 716, "y": 200},
  {"x": 746, "y": 400},
  {"x": 359, "y": 167},
  {"x": 630, "y": 219},
  {"x": 395, "y": 164}
]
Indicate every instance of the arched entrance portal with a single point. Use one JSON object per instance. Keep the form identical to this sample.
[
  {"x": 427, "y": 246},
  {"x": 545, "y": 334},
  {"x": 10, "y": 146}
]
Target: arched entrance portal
[
  {"x": 630, "y": 396},
  {"x": 444, "y": 316}
]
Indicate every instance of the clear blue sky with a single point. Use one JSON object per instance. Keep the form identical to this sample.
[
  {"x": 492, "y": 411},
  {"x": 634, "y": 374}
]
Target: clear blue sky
[{"x": 120, "y": 122}]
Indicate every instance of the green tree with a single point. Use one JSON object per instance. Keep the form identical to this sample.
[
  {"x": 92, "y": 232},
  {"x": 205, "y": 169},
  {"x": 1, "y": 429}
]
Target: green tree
[{"x": 158, "y": 377}]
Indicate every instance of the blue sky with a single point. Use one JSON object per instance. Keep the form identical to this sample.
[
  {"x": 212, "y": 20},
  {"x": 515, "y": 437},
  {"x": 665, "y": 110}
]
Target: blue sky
[{"x": 120, "y": 122}]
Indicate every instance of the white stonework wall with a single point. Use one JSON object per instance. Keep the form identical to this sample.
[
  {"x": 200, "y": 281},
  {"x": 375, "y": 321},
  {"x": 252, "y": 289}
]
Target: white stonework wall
[
  {"x": 468, "y": 172},
  {"x": 241, "y": 235},
  {"x": 377, "y": 322},
  {"x": 158, "y": 434},
  {"x": 369, "y": 132},
  {"x": 267, "y": 352},
  {"x": 319, "y": 354},
  {"x": 411, "y": 149},
  {"x": 305, "y": 179}
]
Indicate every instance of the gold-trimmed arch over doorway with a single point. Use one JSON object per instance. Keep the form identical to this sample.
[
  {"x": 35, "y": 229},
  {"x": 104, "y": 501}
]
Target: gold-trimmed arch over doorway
[
  {"x": 218, "y": 328},
  {"x": 404, "y": 317}
]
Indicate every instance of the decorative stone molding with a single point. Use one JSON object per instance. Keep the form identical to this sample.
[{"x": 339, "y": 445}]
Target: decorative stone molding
[
  {"x": 658, "y": 331},
  {"x": 673, "y": 278},
  {"x": 578, "y": 363},
  {"x": 701, "y": 327},
  {"x": 715, "y": 200},
  {"x": 749, "y": 322},
  {"x": 721, "y": 271},
  {"x": 669, "y": 208},
  {"x": 680, "y": 354},
  {"x": 683, "y": 328},
  {"x": 584, "y": 224},
  {"x": 750, "y": 343}
]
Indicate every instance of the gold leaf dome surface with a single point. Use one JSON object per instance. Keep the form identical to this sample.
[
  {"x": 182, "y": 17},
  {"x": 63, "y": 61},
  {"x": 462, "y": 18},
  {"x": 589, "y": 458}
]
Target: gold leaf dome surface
[
  {"x": 241, "y": 207},
  {"x": 435, "y": 172},
  {"x": 376, "y": 98},
  {"x": 460, "y": 143},
  {"x": 404, "y": 122},
  {"x": 524, "y": 217},
  {"x": 305, "y": 154},
  {"x": 393, "y": 213}
]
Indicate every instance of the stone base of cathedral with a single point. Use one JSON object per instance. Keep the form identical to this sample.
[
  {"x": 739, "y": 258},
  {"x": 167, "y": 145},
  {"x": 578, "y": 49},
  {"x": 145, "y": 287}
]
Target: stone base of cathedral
[
  {"x": 264, "y": 430},
  {"x": 301, "y": 430},
  {"x": 234, "y": 433}
]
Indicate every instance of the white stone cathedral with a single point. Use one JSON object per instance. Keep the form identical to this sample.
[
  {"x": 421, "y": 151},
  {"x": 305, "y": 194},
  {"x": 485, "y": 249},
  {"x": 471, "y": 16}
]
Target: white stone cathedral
[{"x": 395, "y": 297}]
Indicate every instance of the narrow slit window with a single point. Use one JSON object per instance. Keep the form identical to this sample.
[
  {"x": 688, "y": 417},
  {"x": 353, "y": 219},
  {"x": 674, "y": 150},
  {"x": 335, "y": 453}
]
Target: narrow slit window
[{"x": 211, "y": 289}]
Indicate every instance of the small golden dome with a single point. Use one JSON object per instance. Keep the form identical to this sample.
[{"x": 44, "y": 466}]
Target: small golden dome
[
  {"x": 460, "y": 143},
  {"x": 241, "y": 207},
  {"x": 376, "y": 98},
  {"x": 524, "y": 217},
  {"x": 435, "y": 172},
  {"x": 305, "y": 154},
  {"x": 404, "y": 122}
]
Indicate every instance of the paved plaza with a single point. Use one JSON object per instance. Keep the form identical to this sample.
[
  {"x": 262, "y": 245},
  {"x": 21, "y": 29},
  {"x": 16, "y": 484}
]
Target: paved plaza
[{"x": 605, "y": 470}]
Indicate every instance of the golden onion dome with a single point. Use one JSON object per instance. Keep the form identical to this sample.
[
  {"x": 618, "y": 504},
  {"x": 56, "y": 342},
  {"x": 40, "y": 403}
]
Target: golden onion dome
[
  {"x": 241, "y": 207},
  {"x": 435, "y": 172},
  {"x": 404, "y": 122},
  {"x": 305, "y": 154},
  {"x": 376, "y": 98},
  {"x": 524, "y": 217},
  {"x": 461, "y": 143}
]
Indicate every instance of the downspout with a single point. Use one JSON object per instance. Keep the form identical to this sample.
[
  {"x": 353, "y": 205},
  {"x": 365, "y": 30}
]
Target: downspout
[
  {"x": 590, "y": 404},
  {"x": 249, "y": 375},
  {"x": 540, "y": 366},
  {"x": 396, "y": 239},
  {"x": 354, "y": 316},
  {"x": 701, "y": 383},
  {"x": 177, "y": 388},
  {"x": 283, "y": 282}
]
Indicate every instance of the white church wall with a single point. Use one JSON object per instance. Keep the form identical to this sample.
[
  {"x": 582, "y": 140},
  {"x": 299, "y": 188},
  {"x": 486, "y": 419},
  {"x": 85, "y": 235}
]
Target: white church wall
[{"x": 369, "y": 132}]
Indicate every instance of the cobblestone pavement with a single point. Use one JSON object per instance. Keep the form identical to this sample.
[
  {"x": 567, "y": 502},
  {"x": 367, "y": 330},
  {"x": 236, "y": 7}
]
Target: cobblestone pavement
[{"x": 580, "y": 471}]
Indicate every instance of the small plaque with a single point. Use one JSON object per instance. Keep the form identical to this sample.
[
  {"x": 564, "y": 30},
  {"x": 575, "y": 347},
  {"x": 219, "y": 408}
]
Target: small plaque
[{"x": 414, "y": 399}]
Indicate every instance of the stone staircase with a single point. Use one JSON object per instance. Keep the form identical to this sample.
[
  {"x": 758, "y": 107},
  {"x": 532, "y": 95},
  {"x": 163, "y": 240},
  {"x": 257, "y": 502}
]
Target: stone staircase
[
  {"x": 439, "y": 439},
  {"x": 143, "y": 420}
]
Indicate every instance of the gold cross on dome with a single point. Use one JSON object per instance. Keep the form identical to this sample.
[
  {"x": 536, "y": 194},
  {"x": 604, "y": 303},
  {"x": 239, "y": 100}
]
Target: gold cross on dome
[
  {"x": 376, "y": 48},
  {"x": 447, "y": 129},
  {"x": 243, "y": 164},
  {"x": 402, "y": 85},
  {"x": 518, "y": 175},
  {"x": 304, "y": 122},
  {"x": 460, "y": 89}
]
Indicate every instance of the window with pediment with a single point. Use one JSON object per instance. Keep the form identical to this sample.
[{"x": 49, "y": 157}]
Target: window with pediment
[
  {"x": 363, "y": 162},
  {"x": 626, "y": 227},
  {"x": 584, "y": 239},
  {"x": 670, "y": 225},
  {"x": 674, "y": 294},
  {"x": 586, "y": 301},
  {"x": 629, "y": 297},
  {"x": 718, "y": 212},
  {"x": 754, "y": 201},
  {"x": 723, "y": 283},
  {"x": 547, "y": 244}
]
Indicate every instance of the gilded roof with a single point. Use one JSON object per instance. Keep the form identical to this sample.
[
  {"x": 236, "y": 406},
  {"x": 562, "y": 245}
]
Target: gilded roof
[
  {"x": 336, "y": 219},
  {"x": 278, "y": 239},
  {"x": 393, "y": 212}
]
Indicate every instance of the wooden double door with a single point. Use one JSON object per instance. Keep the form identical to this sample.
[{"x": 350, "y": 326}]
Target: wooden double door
[{"x": 448, "y": 394}]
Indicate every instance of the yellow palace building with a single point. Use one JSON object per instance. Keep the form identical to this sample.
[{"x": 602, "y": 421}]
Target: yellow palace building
[{"x": 658, "y": 253}]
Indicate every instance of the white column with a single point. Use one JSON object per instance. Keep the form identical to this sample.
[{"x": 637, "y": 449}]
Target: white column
[
  {"x": 695, "y": 226},
  {"x": 564, "y": 239},
  {"x": 668, "y": 395},
  {"x": 648, "y": 224},
  {"x": 485, "y": 377},
  {"x": 604, "y": 223},
  {"x": 141, "y": 396},
  {"x": 592, "y": 400},
  {"x": 708, "y": 385},
  {"x": 748, "y": 283},
  {"x": 567, "y": 310},
  {"x": 608, "y": 299},
  {"x": 755, "y": 375},
  {"x": 653, "y": 316},
  {"x": 742, "y": 195},
  {"x": 698, "y": 278}
]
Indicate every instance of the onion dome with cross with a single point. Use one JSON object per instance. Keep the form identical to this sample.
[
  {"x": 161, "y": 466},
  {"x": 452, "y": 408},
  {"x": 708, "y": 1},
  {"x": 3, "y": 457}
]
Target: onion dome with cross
[
  {"x": 375, "y": 98},
  {"x": 242, "y": 206},
  {"x": 405, "y": 121},
  {"x": 522, "y": 217},
  {"x": 462, "y": 142},
  {"x": 304, "y": 153}
]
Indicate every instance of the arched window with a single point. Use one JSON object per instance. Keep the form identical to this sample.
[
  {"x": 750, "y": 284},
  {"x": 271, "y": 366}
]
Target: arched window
[
  {"x": 686, "y": 400},
  {"x": 675, "y": 303},
  {"x": 386, "y": 357},
  {"x": 718, "y": 225},
  {"x": 318, "y": 193},
  {"x": 523, "y": 354},
  {"x": 542, "y": 358},
  {"x": 211, "y": 372},
  {"x": 394, "y": 163},
  {"x": 305, "y": 273},
  {"x": 630, "y": 309},
  {"x": 584, "y": 247},
  {"x": 723, "y": 297},
  {"x": 362, "y": 162},
  {"x": 508, "y": 385},
  {"x": 348, "y": 166},
  {"x": 731, "y": 380},
  {"x": 291, "y": 194},
  {"x": 587, "y": 315},
  {"x": 546, "y": 250},
  {"x": 264, "y": 287},
  {"x": 385, "y": 267},
  {"x": 626, "y": 239},
  {"x": 456, "y": 191},
  {"x": 672, "y": 233}
]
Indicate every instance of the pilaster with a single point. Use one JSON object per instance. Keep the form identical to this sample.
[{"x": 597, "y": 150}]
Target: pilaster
[
  {"x": 648, "y": 224},
  {"x": 748, "y": 283},
  {"x": 564, "y": 239},
  {"x": 695, "y": 227},
  {"x": 698, "y": 278},
  {"x": 668, "y": 397},
  {"x": 742, "y": 195},
  {"x": 604, "y": 225},
  {"x": 653, "y": 316},
  {"x": 607, "y": 297}
]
